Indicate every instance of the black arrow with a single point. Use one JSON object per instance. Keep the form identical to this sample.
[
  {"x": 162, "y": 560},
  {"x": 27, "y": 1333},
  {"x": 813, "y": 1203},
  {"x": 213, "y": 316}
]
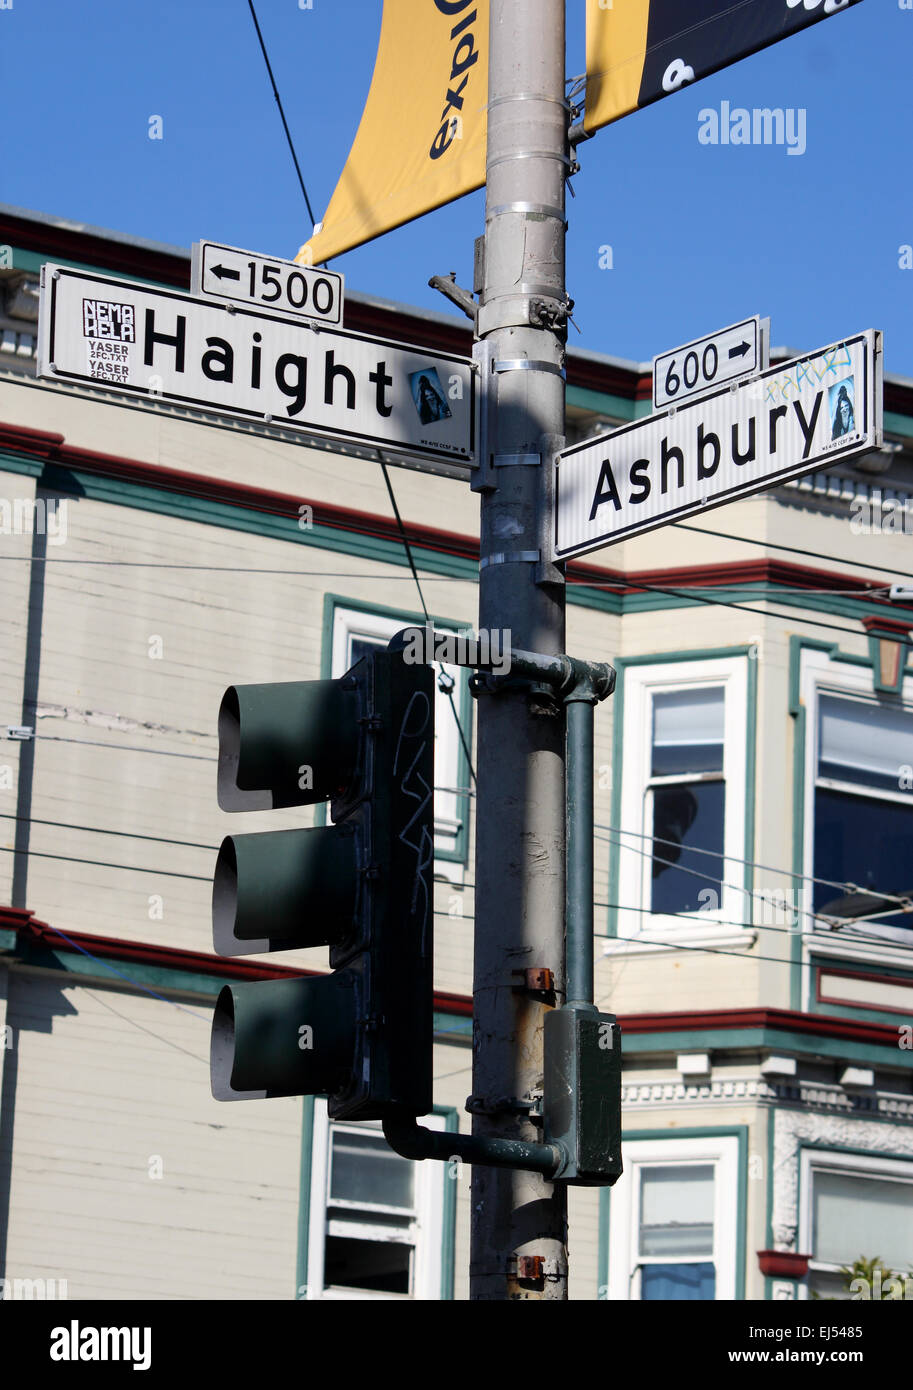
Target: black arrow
[
  {"x": 741, "y": 350},
  {"x": 224, "y": 273}
]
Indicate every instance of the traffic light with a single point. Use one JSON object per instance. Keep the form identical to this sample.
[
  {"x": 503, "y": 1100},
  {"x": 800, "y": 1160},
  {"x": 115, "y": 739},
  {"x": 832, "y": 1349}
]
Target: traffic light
[{"x": 362, "y": 1034}]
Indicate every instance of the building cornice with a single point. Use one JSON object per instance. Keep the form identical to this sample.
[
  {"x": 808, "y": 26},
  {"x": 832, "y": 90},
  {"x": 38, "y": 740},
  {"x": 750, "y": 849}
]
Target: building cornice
[
  {"x": 52, "y": 448},
  {"x": 20, "y": 930}
]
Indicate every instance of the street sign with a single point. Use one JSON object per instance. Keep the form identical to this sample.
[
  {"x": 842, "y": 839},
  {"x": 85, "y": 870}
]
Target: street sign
[
  {"x": 265, "y": 283},
  {"x": 795, "y": 418},
  {"x": 161, "y": 345},
  {"x": 695, "y": 369}
]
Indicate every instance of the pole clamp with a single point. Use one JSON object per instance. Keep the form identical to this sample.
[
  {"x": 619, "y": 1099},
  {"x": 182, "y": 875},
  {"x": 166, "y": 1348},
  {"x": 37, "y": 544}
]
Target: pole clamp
[{"x": 527, "y": 364}]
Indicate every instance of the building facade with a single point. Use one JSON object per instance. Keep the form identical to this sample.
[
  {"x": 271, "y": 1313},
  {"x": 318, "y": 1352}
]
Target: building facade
[{"x": 754, "y": 844}]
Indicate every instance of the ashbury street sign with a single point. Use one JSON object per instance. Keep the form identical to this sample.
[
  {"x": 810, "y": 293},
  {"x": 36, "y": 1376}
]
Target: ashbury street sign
[
  {"x": 795, "y": 418},
  {"x": 160, "y": 344}
]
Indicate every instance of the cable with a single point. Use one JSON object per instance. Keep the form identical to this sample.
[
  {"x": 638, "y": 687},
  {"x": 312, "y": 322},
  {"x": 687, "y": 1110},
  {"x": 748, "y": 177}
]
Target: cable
[
  {"x": 128, "y": 834},
  {"x": 120, "y": 974},
  {"x": 750, "y": 863},
  {"x": 288, "y": 134},
  {"x": 696, "y": 597},
  {"x": 104, "y": 864},
  {"x": 232, "y": 569},
  {"x": 123, "y": 747},
  {"x": 748, "y": 892},
  {"x": 408, "y": 550},
  {"x": 790, "y": 549}
]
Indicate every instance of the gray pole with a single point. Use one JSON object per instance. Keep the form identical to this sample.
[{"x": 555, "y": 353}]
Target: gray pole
[{"x": 520, "y": 815}]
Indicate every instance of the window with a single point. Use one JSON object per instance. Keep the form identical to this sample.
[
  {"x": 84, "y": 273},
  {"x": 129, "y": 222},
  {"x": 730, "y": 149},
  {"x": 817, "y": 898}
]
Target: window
[
  {"x": 679, "y": 841},
  {"x": 376, "y": 1219},
  {"x": 354, "y": 635},
  {"x": 863, "y": 811},
  {"x": 672, "y": 1221},
  {"x": 686, "y": 798},
  {"x": 855, "y": 1206}
]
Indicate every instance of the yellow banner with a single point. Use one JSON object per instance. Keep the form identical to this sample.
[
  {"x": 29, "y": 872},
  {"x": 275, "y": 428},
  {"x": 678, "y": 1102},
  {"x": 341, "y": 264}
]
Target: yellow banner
[
  {"x": 421, "y": 141},
  {"x": 616, "y": 46}
]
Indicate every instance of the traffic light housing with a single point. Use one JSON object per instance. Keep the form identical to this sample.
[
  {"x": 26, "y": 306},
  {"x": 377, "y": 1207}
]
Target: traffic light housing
[{"x": 362, "y": 1034}]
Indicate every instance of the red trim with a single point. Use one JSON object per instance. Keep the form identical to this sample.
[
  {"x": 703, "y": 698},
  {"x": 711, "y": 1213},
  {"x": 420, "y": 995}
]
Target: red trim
[
  {"x": 174, "y": 958},
  {"x": 821, "y": 998},
  {"x": 784, "y": 1263},
  {"x": 887, "y": 627},
  {"x": 76, "y": 244},
  {"x": 52, "y": 448},
  {"x": 781, "y": 1020},
  {"x": 73, "y": 243}
]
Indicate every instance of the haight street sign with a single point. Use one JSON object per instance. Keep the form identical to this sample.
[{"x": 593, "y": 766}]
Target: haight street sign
[
  {"x": 792, "y": 419},
  {"x": 163, "y": 345}
]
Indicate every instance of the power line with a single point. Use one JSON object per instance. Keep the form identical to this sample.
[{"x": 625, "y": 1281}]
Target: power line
[
  {"x": 750, "y": 863},
  {"x": 288, "y": 134},
  {"x": 123, "y": 747},
  {"x": 747, "y": 892},
  {"x": 698, "y": 597},
  {"x": 230, "y": 569},
  {"x": 120, "y": 974},
  {"x": 105, "y": 864},
  {"x": 408, "y": 549},
  {"x": 789, "y": 549},
  {"x": 127, "y": 834}
]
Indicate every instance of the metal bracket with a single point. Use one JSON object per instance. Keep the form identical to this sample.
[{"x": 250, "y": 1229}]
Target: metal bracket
[
  {"x": 550, "y": 313},
  {"x": 530, "y": 1104},
  {"x": 537, "y": 980},
  {"x": 532, "y": 1269},
  {"x": 456, "y": 294},
  {"x": 527, "y": 364}
]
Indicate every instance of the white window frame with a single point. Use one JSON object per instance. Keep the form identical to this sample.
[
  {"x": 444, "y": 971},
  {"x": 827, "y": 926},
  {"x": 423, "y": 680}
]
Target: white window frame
[
  {"x": 814, "y": 1161},
  {"x": 424, "y": 1229},
  {"x": 641, "y": 683},
  {"x": 722, "y": 1152},
  {"x": 450, "y": 807},
  {"x": 822, "y": 675}
]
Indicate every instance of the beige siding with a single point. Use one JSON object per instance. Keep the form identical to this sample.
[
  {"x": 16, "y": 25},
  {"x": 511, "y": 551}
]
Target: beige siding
[{"x": 107, "y": 1084}]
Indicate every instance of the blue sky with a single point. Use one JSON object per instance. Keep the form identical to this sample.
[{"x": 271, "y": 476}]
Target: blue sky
[{"x": 701, "y": 235}]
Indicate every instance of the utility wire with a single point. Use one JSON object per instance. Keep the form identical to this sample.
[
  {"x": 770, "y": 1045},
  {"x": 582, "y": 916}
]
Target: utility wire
[
  {"x": 790, "y": 549},
  {"x": 747, "y": 892},
  {"x": 409, "y": 557},
  {"x": 126, "y": 834},
  {"x": 105, "y": 965},
  {"x": 288, "y": 134},
  {"x": 698, "y": 597},
  {"x": 750, "y": 863}
]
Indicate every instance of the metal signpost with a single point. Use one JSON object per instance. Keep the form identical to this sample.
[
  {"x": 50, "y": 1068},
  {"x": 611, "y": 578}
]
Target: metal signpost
[
  {"x": 792, "y": 419},
  {"x": 733, "y": 353},
  {"x": 163, "y": 345},
  {"x": 273, "y": 286}
]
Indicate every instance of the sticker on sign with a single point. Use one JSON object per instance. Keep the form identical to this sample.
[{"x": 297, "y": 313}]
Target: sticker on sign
[
  {"x": 261, "y": 282},
  {"x": 162, "y": 345},
  {"x": 794, "y": 418},
  {"x": 696, "y": 368}
]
